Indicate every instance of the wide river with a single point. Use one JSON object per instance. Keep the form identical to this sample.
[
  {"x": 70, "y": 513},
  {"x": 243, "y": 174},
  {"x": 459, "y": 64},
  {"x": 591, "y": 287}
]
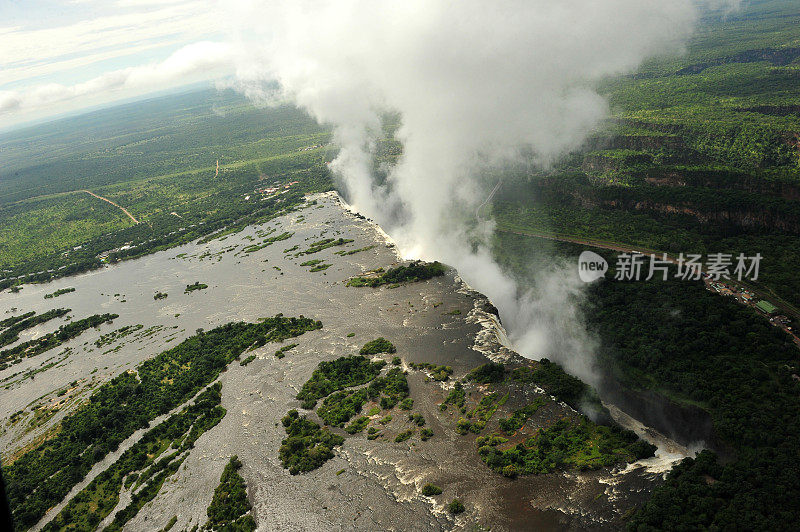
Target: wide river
[{"x": 369, "y": 485}]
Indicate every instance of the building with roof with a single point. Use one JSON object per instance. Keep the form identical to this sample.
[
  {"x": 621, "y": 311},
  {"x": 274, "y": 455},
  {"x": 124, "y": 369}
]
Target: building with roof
[{"x": 766, "y": 307}]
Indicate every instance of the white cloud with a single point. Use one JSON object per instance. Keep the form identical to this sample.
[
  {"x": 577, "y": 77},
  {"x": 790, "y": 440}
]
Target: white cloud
[
  {"x": 39, "y": 69},
  {"x": 190, "y": 63},
  {"x": 31, "y": 48}
]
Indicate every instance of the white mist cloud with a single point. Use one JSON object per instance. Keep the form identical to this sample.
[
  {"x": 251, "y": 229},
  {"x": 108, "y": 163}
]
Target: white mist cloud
[{"x": 476, "y": 84}]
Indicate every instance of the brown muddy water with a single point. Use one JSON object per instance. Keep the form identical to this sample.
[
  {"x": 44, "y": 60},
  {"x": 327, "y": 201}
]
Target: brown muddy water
[{"x": 369, "y": 485}]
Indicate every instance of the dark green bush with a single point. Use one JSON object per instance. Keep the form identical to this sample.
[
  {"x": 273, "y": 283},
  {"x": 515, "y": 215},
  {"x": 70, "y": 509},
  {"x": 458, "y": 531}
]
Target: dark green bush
[
  {"x": 455, "y": 507},
  {"x": 307, "y": 446},
  {"x": 379, "y": 345},
  {"x": 429, "y": 490},
  {"x": 488, "y": 373}
]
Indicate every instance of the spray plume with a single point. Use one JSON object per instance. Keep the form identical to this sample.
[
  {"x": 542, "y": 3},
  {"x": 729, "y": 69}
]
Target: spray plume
[{"x": 476, "y": 85}]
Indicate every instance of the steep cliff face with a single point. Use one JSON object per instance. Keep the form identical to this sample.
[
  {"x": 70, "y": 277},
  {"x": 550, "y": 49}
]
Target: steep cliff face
[
  {"x": 746, "y": 215},
  {"x": 744, "y": 218},
  {"x": 773, "y": 110},
  {"x": 778, "y": 57},
  {"x": 636, "y": 142},
  {"x": 599, "y": 163},
  {"x": 738, "y": 181},
  {"x": 739, "y": 142}
]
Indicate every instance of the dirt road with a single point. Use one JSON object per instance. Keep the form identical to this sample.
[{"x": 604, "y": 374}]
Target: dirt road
[{"x": 123, "y": 209}]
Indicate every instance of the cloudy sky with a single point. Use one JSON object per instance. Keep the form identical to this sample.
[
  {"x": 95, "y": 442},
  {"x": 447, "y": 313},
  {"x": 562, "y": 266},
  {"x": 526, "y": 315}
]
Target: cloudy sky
[{"x": 58, "y": 56}]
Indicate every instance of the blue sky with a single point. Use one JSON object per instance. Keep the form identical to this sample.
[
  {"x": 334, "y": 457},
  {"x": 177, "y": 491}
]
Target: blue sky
[{"x": 61, "y": 56}]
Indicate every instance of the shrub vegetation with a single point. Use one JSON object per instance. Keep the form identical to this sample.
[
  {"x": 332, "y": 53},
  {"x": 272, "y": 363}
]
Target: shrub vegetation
[
  {"x": 307, "y": 446},
  {"x": 336, "y": 375},
  {"x": 229, "y": 509},
  {"x": 44, "y": 475},
  {"x": 416, "y": 271},
  {"x": 377, "y": 346}
]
